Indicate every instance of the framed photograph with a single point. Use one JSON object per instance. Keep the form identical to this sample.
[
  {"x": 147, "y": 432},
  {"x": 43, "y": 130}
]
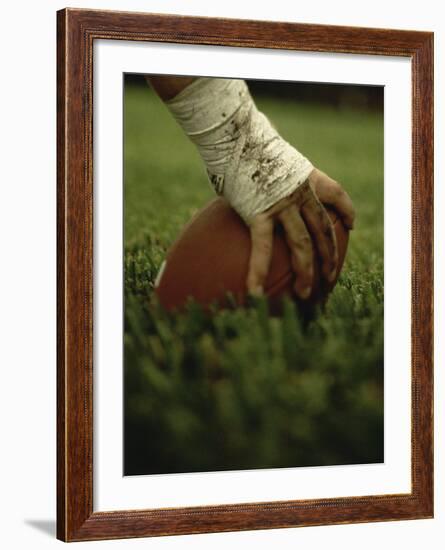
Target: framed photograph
[{"x": 245, "y": 230}]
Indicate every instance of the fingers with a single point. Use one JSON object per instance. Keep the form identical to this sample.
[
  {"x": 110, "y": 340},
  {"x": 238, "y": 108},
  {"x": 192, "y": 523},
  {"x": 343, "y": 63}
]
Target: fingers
[
  {"x": 261, "y": 233},
  {"x": 300, "y": 245},
  {"x": 319, "y": 224},
  {"x": 306, "y": 222},
  {"x": 331, "y": 193}
]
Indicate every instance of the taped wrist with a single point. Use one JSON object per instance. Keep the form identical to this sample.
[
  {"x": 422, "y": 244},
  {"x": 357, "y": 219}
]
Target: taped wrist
[{"x": 247, "y": 161}]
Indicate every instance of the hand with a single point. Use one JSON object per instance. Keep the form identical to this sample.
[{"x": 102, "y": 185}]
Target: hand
[{"x": 303, "y": 216}]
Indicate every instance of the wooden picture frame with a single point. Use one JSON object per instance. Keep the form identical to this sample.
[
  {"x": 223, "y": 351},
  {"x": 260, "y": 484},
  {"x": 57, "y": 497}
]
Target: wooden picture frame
[{"x": 76, "y": 32}]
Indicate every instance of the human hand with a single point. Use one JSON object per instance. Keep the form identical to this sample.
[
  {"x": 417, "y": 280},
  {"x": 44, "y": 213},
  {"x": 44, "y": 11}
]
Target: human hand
[{"x": 305, "y": 221}]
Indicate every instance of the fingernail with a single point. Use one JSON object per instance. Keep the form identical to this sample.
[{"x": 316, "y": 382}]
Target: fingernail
[
  {"x": 305, "y": 292},
  {"x": 257, "y": 291}
]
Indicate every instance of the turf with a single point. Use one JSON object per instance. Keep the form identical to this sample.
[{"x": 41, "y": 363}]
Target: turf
[{"x": 240, "y": 389}]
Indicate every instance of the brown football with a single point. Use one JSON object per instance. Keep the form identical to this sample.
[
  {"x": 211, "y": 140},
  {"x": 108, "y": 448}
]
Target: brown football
[{"x": 211, "y": 255}]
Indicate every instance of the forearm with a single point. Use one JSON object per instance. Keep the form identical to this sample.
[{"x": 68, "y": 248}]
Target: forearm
[
  {"x": 246, "y": 159},
  {"x": 167, "y": 87}
]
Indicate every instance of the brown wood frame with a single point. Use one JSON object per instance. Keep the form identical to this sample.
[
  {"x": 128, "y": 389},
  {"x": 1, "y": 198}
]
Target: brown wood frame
[{"x": 76, "y": 32}]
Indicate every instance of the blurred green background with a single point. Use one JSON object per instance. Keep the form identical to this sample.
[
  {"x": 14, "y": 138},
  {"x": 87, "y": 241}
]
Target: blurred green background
[{"x": 241, "y": 389}]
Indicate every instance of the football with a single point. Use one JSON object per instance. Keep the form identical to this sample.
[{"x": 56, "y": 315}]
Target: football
[{"x": 209, "y": 261}]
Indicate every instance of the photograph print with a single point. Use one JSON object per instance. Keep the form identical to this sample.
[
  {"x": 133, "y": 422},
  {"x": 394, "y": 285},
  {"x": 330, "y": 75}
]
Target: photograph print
[{"x": 253, "y": 274}]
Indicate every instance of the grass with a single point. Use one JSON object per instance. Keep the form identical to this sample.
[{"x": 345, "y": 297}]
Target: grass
[{"x": 240, "y": 389}]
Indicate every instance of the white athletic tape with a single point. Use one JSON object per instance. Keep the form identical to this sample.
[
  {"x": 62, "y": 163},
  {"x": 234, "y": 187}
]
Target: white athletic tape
[{"x": 246, "y": 159}]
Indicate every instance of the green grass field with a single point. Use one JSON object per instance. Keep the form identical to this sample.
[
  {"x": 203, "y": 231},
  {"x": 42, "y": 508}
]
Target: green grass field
[{"x": 241, "y": 389}]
